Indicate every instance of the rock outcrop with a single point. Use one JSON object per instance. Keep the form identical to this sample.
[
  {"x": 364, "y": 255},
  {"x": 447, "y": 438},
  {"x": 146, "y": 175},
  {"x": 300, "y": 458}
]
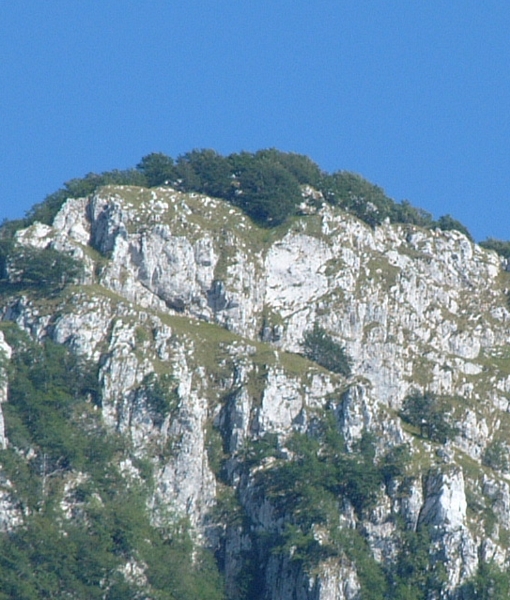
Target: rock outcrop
[{"x": 188, "y": 286}]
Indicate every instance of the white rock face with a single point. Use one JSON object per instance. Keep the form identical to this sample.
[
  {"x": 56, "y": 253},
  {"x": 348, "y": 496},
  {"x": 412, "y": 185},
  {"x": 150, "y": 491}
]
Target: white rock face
[
  {"x": 446, "y": 501},
  {"x": 295, "y": 273},
  {"x": 338, "y": 582},
  {"x": 5, "y": 355},
  {"x": 189, "y": 287},
  {"x": 10, "y": 515},
  {"x": 72, "y": 221},
  {"x": 445, "y": 511}
]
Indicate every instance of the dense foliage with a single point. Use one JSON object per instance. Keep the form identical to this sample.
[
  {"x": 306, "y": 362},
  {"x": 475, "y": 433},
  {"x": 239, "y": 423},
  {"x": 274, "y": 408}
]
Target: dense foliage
[
  {"x": 496, "y": 456},
  {"x": 265, "y": 184},
  {"x": 43, "y": 270},
  {"x": 309, "y": 489},
  {"x": 490, "y": 583},
  {"x": 427, "y": 413},
  {"x": 501, "y": 247},
  {"x": 322, "y": 349},
  {"x": 308, "y": 485},
  {"x": 59, "y": 450},
  {"x": 45, "y": 211}
]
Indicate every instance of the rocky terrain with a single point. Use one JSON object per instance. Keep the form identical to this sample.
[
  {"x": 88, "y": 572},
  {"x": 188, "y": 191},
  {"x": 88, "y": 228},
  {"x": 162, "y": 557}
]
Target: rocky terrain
[{"x": 306, "y": 482}]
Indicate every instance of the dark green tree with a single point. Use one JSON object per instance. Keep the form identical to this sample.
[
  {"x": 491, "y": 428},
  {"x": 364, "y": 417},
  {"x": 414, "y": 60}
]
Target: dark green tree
[
  {"x": 320, "y": 347},
  {"x": 499, "y": 246},
  {"x": 448, "y": 223},
  {"x": 299, "y": 166},
  {"x": 40, "y": 269},
  {"x": 205, "y": 171},
  {"x": 158, "y": 169},
  {"x": 426, "y": 412},
  {"x": 264, "y": 190},
  {"x": 405, "y": 212},
  {"x": 357, "y": 195},
  {"x": 415, "y": 573},
  {"x": 490, "y": 583}
]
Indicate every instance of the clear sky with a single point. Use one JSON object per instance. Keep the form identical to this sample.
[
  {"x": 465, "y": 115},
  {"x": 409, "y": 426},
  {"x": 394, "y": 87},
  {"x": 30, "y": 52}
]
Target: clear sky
[{"x": 413, "y": 95}]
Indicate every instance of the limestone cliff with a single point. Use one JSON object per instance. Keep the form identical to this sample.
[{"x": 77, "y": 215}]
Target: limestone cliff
[{"x": 186, "y": 287}]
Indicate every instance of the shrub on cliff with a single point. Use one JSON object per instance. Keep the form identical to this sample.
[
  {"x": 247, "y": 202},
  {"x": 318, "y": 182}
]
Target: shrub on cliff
[
  {"x": 266, "y": 191},
  {"x": 206, "y": 172},
  {"x": 45, "y": 270},
  {"x": 320, "y": 347},
  {"x": 45, "y": 211},
  {"x": 157, "y": 168},
  {"x": 426, "y": 412}
]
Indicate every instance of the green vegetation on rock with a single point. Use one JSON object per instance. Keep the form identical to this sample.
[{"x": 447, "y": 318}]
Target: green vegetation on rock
[
  {"x": 499, "y": 246},
  {"x": 60, "y": 453},
  {"x": 280, "y": 489},
  {"x": 322, "y": 349},
  {"x": 265, "y": 184},
  {"x": 427, "y": 413},
  {"x": 160, "y": 396},
  {"x": 309, "y": 490},
  {"x": 44, "y": 270}
]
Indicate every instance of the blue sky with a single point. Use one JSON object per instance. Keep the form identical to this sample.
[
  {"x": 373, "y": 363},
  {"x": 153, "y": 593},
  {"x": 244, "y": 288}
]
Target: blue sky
[{"x": 413, "y": 95}]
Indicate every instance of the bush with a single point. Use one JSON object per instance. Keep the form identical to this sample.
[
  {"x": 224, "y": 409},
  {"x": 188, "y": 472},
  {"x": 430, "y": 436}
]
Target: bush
[
  {"x": 499, "y": 246},
  {"x": 426, "y": 412},
  {"x": 322, "y": 349},
  {"x": 264, "y": 189},
  {"x": 160, "y": 396},
  {"x": 447, "y": 223},
  {"x": 46, "y": 270},
  {"x": 158, "y": 169},
  {"x": 496, "y": 456}
]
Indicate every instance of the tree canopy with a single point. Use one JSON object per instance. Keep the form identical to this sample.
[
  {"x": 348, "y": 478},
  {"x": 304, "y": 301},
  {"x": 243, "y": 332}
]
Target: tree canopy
[
  {"x": 265, "y": 184},
  {"x": 427, "y": 412}
]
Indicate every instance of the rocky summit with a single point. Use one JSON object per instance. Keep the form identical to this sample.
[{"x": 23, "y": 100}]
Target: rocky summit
[{"x": 313, "y": 411}]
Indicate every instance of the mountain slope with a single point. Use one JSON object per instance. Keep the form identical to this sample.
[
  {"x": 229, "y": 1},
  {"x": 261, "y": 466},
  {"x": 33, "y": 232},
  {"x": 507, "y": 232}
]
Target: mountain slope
[{"x": 187, "y": 322}]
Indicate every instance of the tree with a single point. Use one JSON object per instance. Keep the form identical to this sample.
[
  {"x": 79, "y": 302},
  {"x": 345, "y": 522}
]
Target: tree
[
  {"x": 425, "y": 412},
  {"x": 265, "y": 190},
  {"x": 158, "y": 168},
  {"x": 299, "y": 166},
  {"x": 490, "y": 583},
  {"x": 41, "y": 269},
  {"x": 322, "y": 349},
  {"x": 405, "y": 212},
  {"x": 447, "y": 223},
  {"x": 205, "y": 171},
  {"x": 357, "y": 195},
  {"x": 499, "y": 246}
]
